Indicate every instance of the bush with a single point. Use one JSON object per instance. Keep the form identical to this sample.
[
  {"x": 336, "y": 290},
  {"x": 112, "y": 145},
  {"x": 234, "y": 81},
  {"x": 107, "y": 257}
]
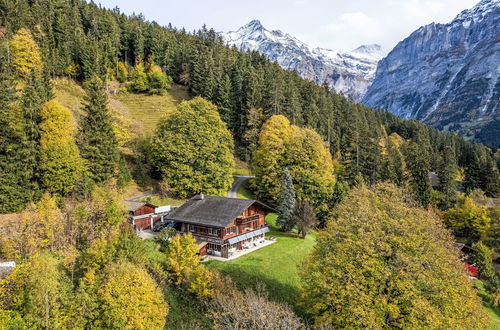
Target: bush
[{"x": 158, "y": 82}]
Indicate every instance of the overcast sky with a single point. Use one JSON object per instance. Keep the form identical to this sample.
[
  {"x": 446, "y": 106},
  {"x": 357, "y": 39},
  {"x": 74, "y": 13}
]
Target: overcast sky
[{"x": 335, "y": 24}]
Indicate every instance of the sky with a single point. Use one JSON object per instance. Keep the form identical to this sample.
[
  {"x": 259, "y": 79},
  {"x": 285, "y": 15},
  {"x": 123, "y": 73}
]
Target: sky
[{"x": 334, "y": 24}]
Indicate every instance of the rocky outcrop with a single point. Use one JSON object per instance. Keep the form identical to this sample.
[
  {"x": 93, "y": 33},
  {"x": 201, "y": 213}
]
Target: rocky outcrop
[{"x": 446, "y": 75}]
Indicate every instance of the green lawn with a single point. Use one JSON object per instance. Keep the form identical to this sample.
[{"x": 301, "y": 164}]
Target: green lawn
[
  {"x": 492, "y": 311},
  {"x": 244, "y": 192},
  {"x": 276, "y": 265},
  {"x": 148, "y": 109},
  {"x": 143, "y": 109},
  {"x": 161, "y": 200}
]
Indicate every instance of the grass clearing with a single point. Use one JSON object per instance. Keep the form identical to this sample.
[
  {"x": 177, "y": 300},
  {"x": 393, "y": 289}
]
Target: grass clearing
[
  {"x": 244, "y": 192},
  {"x": 148, "y": 109},
  {"x": 493, "y": 312},
  {"x": 162, "y": 200},
  {"x": 144, "y": 109},
  {"x": 241, "y": 167},
  {"x": 276, "y": 265}
]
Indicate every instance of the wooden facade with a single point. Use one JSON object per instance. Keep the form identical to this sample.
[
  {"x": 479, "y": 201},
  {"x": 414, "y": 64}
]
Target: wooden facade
[
  {"x": 142, "y": 210},
  {"x": 244, "y": 231}
]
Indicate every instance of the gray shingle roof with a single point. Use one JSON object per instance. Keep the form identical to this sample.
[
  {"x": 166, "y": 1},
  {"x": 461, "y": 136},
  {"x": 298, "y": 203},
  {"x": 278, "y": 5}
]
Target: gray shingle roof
[
  {"x": 134, "y": 206},
  {"x": 213, "y": 211}
]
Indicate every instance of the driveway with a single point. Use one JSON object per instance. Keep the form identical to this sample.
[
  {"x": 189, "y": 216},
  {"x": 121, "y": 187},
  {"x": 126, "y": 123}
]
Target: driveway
[{"x": 238, "y": 181}]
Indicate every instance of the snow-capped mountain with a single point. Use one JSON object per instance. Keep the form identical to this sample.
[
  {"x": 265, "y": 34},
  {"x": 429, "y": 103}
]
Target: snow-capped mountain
[
  {"x": 348, "y": 72},
  {"x": 446, "y": 75}
]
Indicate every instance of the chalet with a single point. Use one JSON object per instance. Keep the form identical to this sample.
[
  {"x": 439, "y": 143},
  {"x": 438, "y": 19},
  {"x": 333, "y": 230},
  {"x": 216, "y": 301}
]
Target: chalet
[
  {"x": 139, "y": 208},
  {"x": 141, "y": 214},
  {"x": 225, "y": 224}
]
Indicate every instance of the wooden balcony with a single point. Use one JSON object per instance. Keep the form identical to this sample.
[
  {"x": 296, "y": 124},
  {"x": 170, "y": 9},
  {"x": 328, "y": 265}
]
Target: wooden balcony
[{"x": 245, "y": 220}]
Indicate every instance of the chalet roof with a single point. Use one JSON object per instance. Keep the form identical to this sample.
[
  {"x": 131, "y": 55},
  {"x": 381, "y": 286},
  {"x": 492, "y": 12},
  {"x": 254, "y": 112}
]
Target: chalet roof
[
  {"x": 213, "y": 211},
  {"x": 134, "y": 206}
]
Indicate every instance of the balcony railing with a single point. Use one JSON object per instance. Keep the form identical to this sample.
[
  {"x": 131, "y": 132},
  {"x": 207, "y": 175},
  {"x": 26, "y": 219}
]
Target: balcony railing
[{"x": 244, "y": 220}]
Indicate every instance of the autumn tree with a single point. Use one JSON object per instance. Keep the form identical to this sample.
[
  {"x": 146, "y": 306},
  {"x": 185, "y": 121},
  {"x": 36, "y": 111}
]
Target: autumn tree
[
  {"x": 384, "y": 262},
  {"x": 37, "y": 290},
  {"x": 468, "y": 220},
  {"x": 183, "y": 263},
  {"x": 482, "y": 258},
  {"x": 193, "y": 150},
  {"x": 286, "y": 203},
  {"x": 304, "y": 217},
  {"x": 60, "y": 163},
  {"x": 233, "y": 309},
  {"x": 158, "y": 81},
  {"x": 303, "y": 152},
  {"x": 41, "y": 227},
  {"x": 25, "y": 53},
  {"x": 97, "y": 140},
  {"x": 121, "y": 72},
  {"x": 130, "y": 299}
]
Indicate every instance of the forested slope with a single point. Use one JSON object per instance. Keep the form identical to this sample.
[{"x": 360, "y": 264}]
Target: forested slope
[{"x": 239, "y": 82}]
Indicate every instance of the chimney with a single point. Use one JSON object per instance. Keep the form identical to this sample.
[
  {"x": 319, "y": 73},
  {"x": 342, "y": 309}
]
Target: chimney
[{"x": 202, "y": 196}]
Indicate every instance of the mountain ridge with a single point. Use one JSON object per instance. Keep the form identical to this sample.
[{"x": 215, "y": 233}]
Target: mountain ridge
[
  {"x": 348, "y": 72},
  {"x": 453, "y": 70}
]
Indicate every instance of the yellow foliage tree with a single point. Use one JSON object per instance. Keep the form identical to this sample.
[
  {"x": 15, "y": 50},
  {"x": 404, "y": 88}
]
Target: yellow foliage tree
[
  {"x": 36, "y": 290},
  {"x": 60, "y": 163},
  {"x": 303, "y": 152},
  {"x": 41, "y": 227},
  {"x": 130, "y": 299},
  {"x": 184, "y": 264},
  {"x": 25, "y": 52},
  {"x": 383, "y": 262}
]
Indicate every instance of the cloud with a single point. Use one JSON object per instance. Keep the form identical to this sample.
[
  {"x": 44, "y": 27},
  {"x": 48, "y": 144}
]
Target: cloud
[{"x": 356, "y": 23}]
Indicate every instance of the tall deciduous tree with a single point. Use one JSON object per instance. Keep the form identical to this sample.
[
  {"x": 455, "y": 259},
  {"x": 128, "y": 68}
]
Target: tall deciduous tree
[
  {"x": 60, "y": 163},
  {"x": 130, "y": 299},
  {"x": 304, "y": 217},
  {"x": 384, "y": 262},
  {"x": 286, "y": 203},
  {"x": 468, "y": 220},
  {"x": 193, "y": 150},
  {"x": 37, "y": 290},
  {"x": 25, "y": 53},
  {"x": 97, "y": 140},
  {"x": 183, "y": 263},
  {"x": 303, "y": 152}
]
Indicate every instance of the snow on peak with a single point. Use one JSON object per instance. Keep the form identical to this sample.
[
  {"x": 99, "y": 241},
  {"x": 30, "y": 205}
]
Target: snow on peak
[
  {"x": 374, "y": 51},
  {"x": 318, "y": 64},
  {"x": 477, "y": 12}
]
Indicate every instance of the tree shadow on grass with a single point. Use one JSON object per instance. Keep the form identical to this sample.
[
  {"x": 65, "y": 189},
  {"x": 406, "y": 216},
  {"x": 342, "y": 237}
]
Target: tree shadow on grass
[{"x": 278, "y": 291}]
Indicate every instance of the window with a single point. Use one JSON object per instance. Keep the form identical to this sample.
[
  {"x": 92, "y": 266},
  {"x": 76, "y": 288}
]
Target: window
[
  {"x": 191, "y": 228},
  {"x": 213, "y": 247}
]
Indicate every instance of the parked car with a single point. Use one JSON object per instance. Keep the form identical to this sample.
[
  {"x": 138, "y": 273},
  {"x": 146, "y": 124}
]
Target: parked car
[{"x": 160, "y": 225}]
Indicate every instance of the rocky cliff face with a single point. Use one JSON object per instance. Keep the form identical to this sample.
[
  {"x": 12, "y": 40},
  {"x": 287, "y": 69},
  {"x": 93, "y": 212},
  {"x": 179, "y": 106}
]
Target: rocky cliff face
[
  {"x": 347, "y": 72},
  {"x": 446, "y": 75}
]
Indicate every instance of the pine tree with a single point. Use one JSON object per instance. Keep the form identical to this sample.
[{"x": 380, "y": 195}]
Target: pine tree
[
  {"x": 417, "y": 160},
  {"x": 286, "y": 203},
  {"x": 14, "y": 154},
  {"x": 446, "y": 170},
  {"x": 97, "y": 140},
  {"x": 35, "y": 94}
]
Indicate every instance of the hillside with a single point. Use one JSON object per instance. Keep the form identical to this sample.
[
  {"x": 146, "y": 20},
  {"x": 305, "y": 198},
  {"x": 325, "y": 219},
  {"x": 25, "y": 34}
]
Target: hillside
[
  {"x": 446, "y": 75},
  {"x": 142, "y": 110}
]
